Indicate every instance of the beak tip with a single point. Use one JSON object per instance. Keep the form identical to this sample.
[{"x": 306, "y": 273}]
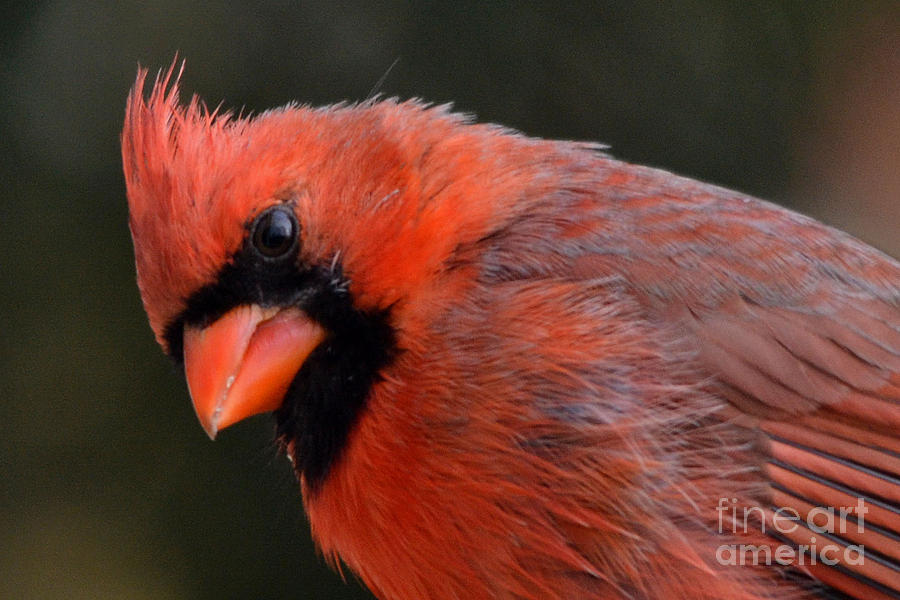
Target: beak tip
[{"x": 210, "y": 428}]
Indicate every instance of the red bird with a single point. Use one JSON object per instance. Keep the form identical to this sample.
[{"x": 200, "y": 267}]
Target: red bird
[{"x": 506, "y": 367}]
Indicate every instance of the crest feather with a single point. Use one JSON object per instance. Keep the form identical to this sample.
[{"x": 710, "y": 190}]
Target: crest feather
[{"x": 174, "y": 157}]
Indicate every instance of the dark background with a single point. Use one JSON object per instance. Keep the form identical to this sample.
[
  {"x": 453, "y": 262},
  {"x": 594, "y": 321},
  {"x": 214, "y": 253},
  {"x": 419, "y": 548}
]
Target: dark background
[{"x": 109, "y": 488}]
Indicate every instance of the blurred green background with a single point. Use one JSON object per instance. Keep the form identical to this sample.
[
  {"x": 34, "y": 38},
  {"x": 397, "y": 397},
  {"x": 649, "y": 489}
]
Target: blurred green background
[{"x": 109, "y": 488}]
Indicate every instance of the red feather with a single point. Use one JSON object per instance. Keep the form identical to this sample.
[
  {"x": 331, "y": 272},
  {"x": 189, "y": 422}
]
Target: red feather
[{"x": 594, "y": 360}]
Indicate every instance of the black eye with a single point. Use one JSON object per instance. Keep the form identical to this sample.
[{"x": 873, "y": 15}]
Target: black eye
[{"x": 274, "y": 232}]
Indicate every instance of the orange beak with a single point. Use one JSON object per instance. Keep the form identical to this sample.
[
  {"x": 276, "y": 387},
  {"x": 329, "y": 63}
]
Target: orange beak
[{"x": 243, "y": 363}]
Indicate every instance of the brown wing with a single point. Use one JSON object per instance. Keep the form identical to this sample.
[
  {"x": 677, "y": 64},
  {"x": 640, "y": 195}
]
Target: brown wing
[
  {"x": 824, "y": 386},
  {"x": 797, "y": 325}
]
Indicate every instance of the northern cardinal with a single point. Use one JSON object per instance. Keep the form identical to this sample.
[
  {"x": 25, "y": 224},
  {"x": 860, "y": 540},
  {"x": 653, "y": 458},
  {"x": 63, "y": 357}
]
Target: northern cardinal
[{"x": 506, "y": 367}]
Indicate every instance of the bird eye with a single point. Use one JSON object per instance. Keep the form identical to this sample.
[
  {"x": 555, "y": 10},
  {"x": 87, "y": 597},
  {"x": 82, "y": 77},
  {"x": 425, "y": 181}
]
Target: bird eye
[{"x": 274, "y": 232}]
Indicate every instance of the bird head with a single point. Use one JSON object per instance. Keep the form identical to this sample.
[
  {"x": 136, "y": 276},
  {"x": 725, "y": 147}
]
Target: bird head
[{"x": 285, "y": 259}]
